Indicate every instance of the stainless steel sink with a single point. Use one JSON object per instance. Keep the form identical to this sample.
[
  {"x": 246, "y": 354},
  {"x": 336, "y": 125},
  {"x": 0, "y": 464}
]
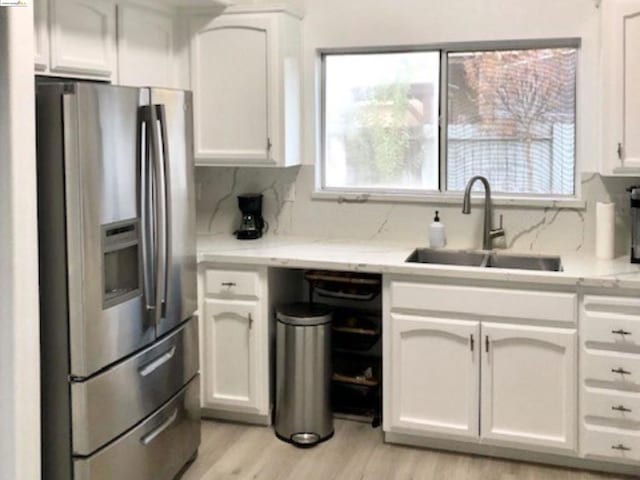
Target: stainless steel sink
[
  {"x": 467, "y": 258},
  {"x": 525, "y": 262},
  {"x": 482, "y": 259}
]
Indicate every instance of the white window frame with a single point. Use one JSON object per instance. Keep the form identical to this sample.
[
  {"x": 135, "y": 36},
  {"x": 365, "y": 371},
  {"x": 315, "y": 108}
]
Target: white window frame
[{"x": 440, "y": 196}]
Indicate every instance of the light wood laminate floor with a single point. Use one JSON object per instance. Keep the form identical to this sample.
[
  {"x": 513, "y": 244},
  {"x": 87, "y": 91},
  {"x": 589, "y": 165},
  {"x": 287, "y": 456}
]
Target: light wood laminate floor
[{"x": 357, "y": 452}]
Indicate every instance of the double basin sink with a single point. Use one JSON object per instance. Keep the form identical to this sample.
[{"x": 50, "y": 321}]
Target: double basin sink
[{"x": 485, "y": 259}]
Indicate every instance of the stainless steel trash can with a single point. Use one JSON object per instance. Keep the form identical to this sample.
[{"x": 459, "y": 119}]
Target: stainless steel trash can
[{"x": 303, "y": 374}]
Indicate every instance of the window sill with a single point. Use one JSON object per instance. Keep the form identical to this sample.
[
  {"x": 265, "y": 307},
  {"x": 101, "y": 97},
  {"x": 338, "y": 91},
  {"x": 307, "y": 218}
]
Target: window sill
[{"x": 448, "y": 199}]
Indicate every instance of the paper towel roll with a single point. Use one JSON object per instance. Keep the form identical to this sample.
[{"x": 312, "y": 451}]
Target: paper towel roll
[{"x": 605, "y": 230}]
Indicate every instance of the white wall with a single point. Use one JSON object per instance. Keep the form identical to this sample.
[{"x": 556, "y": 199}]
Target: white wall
[
  {"x": 19, "y": 325},
  {"x": 347, "y": 23},
  {"x": 289, "y": 206}
]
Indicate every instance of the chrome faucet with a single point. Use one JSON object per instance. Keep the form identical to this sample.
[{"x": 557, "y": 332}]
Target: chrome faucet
[{"x": 489, "y": 233}]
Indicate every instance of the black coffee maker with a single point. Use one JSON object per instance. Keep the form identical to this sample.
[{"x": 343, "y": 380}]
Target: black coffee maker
[{"x": 253, "y": 224}]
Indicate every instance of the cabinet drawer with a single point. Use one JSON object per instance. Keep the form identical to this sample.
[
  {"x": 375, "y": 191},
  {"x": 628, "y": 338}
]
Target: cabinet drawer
[
  {"x": 611, "y": 322},
  {"x": 611, "y": 444},
  {"x": 617, "y": 370},
  {"x": 492, "y": 302},
  {"x": 108, "y": 404},
  {"x": 228, "y": 283},
  {"x": 622, "y": 410},
  {"x": 611, "y": 331},
  {"x": 157, "y": 448},
  {"x": 624, "y": 305}
]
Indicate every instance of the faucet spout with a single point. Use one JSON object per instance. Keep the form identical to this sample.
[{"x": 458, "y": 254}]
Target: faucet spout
[{"x": 489, "y": 233}]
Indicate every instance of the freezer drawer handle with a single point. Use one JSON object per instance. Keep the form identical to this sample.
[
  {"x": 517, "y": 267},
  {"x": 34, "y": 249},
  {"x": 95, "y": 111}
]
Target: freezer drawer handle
[
  {"x": 621, "y": 371},
  {"x": 621, "y": 447},
  {"x": 621, "y": 408},
  {"x": 620, "y": 332},
  {"x": 151, "y": 436},
  {"x": 155, "y": 364}
]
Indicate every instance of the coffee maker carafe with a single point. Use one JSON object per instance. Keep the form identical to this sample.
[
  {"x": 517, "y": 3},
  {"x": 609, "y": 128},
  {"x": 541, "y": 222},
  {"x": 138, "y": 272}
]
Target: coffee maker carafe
[
  {"x": 635, "y": 223},
  {"x": 252, "y": 224}
]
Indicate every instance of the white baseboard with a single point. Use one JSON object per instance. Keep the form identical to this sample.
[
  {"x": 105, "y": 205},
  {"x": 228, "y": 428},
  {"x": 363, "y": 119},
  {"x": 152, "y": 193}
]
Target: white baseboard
[
  {"x": 254, "y": 419},
  {"x": 512, "y": 454}
]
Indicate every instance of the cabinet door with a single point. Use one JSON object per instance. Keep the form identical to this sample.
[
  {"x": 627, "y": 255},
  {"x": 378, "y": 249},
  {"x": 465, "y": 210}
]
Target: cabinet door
[
  {"x": 230, "y": 80},
  {"x": 434, "y": 376},
  {"x": 41, "y": 34},
  {"x": 83, "y": 37},
  {"x": 233, "y": 372},
  {"x": 529, "y": 383},
  {"x": 145, "y": 47},
  {"x": 621, "y": 120}
]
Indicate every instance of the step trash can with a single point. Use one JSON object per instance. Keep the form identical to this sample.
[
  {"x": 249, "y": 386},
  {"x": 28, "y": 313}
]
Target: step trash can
[{"x": 303, "y": 414}]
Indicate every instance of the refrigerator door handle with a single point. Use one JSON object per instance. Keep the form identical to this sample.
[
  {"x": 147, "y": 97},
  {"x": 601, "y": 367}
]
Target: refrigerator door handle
[
  {"x": 162, "y": 116},
  {"x": 146, "y": 210},
  {"x": 151, "y": 436},
  {"x": 160, "y": 215}
]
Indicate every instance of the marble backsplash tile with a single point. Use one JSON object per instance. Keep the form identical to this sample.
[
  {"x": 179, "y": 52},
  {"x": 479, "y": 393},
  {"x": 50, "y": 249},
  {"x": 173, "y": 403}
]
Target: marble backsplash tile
[{"x": 290, "y": 210}]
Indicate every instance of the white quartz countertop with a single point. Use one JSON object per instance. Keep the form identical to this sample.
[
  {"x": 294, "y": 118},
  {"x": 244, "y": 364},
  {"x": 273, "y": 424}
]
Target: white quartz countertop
[{"x": 375, "y": 257}]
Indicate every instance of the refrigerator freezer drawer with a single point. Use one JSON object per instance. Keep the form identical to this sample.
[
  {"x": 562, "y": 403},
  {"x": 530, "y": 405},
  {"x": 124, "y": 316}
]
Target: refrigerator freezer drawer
[
  {"x": 110, "y": 403},
  {"x": 157, "y": 449}
]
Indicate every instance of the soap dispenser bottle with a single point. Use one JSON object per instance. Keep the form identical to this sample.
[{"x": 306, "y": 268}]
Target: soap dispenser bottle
[{"x": 437, "y": 238}]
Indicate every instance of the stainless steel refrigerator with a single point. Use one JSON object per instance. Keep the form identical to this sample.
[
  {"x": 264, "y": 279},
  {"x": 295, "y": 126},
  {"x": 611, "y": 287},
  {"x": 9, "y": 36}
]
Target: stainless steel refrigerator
[{"x": 119, "y": 337}]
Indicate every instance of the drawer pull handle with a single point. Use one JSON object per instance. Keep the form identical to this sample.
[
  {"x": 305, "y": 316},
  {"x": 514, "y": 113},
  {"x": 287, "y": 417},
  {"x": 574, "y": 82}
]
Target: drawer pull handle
[
  {"x": 620, "y": 332},
  {"x": 621, "y": 408},
  {"x": 228, "y": 284},
  {"x": 158, "y": 362},
  {"x": 151, "y": 436},
  {"x": 621, "y": 371},
  {"x": 621, "y": 447}
]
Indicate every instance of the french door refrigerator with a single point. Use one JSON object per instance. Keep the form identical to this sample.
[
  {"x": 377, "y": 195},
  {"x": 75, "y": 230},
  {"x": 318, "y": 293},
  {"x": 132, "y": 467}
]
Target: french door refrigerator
[{"x": 119, "y": 337}]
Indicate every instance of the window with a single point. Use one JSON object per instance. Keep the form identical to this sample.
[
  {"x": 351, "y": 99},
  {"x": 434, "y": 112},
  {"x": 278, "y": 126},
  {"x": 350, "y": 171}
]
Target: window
[
  {"x": 507, "y": 114},
  {"x": 381, "y": 121}
]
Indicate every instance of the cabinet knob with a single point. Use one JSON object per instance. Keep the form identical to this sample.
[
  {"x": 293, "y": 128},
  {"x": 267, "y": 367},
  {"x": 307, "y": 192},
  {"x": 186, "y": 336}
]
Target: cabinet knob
[
  {"x": 620, "y": 332},
  {"x": 621, "y": 408},
  {"x": 621, "y": 371},
  {"x": 620, "y": 447}
]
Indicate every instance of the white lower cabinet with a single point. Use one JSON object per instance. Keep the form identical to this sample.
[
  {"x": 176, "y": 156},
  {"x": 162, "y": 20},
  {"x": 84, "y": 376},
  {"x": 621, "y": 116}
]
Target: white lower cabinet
[
  {"x": 434, "y": 375},
  {"x": 232, "y": 374},
  {"x": 610, "y": 379},
  {"x": 529, "y": 381},
  {"x": 235, "y": 347},
  {"x": 487, "y": 380}
]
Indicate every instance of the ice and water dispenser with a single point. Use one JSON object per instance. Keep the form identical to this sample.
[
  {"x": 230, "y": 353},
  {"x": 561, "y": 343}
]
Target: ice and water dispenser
[{"x": 121, "y": 262}]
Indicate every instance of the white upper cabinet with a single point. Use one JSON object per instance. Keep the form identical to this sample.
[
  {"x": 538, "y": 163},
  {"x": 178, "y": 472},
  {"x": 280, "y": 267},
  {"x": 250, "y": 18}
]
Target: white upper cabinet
[
  {"x": 529, "y": 385},
  {"x": 41, "y": 34},
  {"x": 246, "y": 79},
  {"x": 433, "y": 384},
  {"x": 621, "y": 95},
  {"x": 145, "y": 47},
  {"x": 83, "y": 37},
  {"x": 127, "y": 42}
]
